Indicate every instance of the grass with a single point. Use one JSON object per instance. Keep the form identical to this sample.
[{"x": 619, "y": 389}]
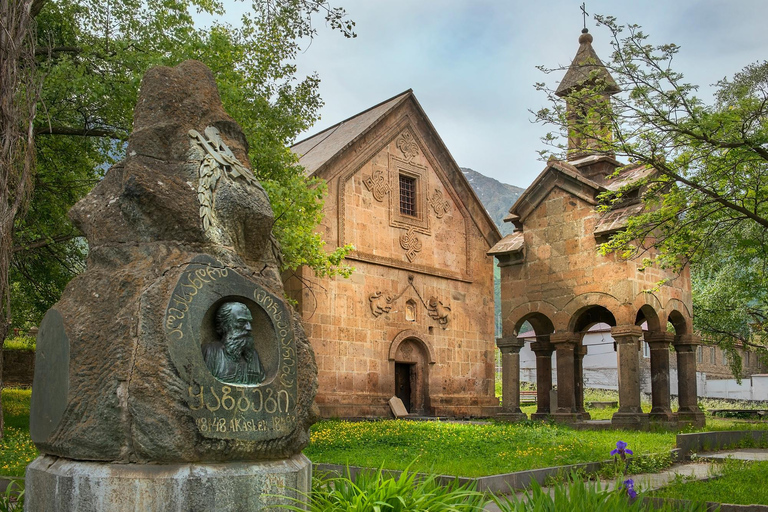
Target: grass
[
  {"x": 470, "y": 450},
  {"x": 740, "y": 482},
  {"x": 16, "y": 447}
]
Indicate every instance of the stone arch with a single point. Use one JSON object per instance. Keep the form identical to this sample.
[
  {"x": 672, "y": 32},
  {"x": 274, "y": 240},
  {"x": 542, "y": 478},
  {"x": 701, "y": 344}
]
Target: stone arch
[
  {"x": 542, "y": 312},
  {"x": 411, "y": 358},
  {"x": 587, "y": 316},
  {"x": 650, "y": 316},
  {"x": 410, "y": 333},
  {"x": 679, "y": 316},
  {"x": 679, "y": 322},
  {"x": 580, "y": 303},
  {"x": 541, "y": 324}
]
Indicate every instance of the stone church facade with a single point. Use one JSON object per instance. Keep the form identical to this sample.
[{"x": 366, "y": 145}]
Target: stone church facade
[{"x": 416, "y": 319}]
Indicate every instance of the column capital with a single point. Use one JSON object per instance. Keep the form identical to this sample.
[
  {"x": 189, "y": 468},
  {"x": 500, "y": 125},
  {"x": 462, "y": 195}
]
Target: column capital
[
  {"x": 563, "y": 337},
  {"x": 654, "y": 336},
  {"x": 542, "y": 348},
  {"x": 509, "y": 344},
  {"x": 626, "y": 333},
  {"x": 687, "y": 339},
  {"x": 656, "y": 339}
]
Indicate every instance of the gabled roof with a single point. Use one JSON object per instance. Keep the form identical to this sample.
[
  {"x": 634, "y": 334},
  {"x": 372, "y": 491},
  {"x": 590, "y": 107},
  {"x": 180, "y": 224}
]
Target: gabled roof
[
  {"x": 317, "y": 153},
  {"x": 568, "y": 177},
  {"x": 557, "y": 174},
  {"x": 586, "y": 68},
  {"x": 316, "y": 150}
]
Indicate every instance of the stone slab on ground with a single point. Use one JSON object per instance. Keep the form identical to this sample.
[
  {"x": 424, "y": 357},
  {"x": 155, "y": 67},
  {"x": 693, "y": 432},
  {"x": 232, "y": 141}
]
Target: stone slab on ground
[
  {"x": 55, "y": 485},
  {"x": 398, "y": 408}
]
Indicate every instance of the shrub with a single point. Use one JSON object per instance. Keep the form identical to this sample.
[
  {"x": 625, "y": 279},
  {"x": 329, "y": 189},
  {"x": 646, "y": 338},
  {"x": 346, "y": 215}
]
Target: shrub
[{"x": 377, "y": 492}]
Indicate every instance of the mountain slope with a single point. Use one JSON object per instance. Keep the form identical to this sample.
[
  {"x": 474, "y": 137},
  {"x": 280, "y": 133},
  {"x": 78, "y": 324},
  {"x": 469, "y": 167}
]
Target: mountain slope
[{"x": 497, "y": 197}]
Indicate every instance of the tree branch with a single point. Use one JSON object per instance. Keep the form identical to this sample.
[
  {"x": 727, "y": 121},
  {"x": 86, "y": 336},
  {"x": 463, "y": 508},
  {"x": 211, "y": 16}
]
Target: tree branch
[
  {"x": 45, "y": 243},
  {"x": 80, "y": 132}
]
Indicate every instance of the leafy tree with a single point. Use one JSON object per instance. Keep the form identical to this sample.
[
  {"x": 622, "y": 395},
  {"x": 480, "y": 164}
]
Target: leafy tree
[
  {"x": 91, "y": 56},
  {"x": 707, "y": 204}
]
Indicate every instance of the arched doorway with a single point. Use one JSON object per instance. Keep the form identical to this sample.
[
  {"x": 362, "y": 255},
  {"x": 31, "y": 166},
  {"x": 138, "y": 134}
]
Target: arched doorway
[{"x": 411, "y": 373}]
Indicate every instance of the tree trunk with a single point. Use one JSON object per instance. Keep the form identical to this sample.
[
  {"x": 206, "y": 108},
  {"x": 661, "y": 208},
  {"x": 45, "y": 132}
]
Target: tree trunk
[{"x": 18, "y": 98}]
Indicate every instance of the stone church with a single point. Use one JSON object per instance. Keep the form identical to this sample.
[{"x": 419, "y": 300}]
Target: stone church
[
  {"x": 554, "y": 279},
  {"x": 416, "y": 319}
]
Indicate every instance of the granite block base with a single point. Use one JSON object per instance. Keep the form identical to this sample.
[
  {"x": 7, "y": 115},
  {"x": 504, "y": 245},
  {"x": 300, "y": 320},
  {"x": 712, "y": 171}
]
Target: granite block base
[{"x": 55, "y": 484}]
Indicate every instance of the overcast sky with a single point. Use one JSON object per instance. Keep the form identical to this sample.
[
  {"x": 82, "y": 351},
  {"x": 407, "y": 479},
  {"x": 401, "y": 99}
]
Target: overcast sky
[{"x": 472, "y": 63}]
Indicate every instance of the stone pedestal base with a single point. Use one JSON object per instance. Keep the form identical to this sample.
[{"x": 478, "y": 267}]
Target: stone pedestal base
[
  {"x": 662, "y": 417},
  {"x": 511, "y": 416},
  {"x": 629, "y": 420},
  {"x": 55, "y": 484},
  {"x": 566, "y": 417},
  {"x": 691, "y": 418},
  {"x": 541, "y": 416}
]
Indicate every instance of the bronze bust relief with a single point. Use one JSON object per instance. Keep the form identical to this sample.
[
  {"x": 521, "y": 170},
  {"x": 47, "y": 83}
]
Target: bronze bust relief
[{"x": 234, "y": 359}]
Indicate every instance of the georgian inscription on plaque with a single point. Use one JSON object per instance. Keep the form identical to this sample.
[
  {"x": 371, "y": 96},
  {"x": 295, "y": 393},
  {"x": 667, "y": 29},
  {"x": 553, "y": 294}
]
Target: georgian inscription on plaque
[{"x": 232, "y": 341}]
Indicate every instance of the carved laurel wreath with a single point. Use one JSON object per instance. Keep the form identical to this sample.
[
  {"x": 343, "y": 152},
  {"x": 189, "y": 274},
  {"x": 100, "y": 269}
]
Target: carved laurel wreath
[{"x": 218, "y": 158}]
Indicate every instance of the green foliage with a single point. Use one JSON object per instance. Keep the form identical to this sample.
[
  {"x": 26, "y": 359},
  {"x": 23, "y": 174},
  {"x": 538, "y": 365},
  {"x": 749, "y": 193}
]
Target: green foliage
[
  {"x": 707, "y": 202},
  {"x": 20, "y": 343},
  {"x": 377, "y": 492},
  {"x": 12, "y": 500},
  {"x": 92, "y": 56},
  {"x": 579, "y": 495},
  {"x": 739, "y": 482}
]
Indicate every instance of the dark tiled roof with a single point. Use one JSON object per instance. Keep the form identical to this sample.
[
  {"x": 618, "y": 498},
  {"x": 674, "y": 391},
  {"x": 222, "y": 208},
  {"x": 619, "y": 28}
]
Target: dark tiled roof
[
  {"x": 628, "y": 176},
  {"x": 615, "y": 220},
  {"x": 510, "y": 244},
  {"x": 318, "y": 149}
]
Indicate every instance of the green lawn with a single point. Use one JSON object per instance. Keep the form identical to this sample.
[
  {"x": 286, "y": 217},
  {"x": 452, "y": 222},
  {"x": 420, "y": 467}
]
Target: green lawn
[
  {"x": 16, "y": 448},
  {"x": 470, "y": 450},
  {"x": 741, "y": 483}
]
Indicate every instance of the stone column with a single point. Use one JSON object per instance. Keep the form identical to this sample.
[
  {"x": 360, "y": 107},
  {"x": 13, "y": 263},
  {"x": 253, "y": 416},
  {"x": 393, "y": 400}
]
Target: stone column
[
  {"x": 510, "y": 378},
  {"x": 630, "y": 414},
  {"x": 565, "y": 345},
  {"x": 543, "y": 350},
  {"x": 659, "y": 342},
  {"x": 578, "y": 380},
  {"x": 688, "y": 413}
]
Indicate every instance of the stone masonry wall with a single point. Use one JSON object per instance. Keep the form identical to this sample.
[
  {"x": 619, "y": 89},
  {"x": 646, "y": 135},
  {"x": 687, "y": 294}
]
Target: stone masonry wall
[{"x": 563, "y": 271}]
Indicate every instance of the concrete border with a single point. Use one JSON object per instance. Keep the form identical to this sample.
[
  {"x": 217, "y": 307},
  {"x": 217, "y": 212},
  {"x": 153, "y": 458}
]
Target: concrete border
[
  {"x": 499, "y": 484},
  {"x": 714, "y": 441}
]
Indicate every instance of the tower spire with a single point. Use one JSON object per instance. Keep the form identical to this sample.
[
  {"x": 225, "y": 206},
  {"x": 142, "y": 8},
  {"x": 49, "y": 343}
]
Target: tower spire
[{"x": 587, "y": 88}]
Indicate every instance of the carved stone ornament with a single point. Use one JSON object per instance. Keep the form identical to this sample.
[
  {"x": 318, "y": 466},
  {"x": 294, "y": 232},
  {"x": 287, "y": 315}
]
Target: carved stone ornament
[
  {"x": 411, "y": 244},
  {"x": 379, "y": 304},
  {"x": 377, "y": 184},
  {"x": 439, "y": 205},
  {"x": 218, "y": 158},
  {"x": 438, "y": 311},
  {"x": 407, "y": 145}
]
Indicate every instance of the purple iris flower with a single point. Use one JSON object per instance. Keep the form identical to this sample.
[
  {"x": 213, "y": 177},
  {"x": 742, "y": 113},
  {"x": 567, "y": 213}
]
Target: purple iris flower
[
  {"x": 621, "y": 450},
  {"x": 629, "y": 485}
]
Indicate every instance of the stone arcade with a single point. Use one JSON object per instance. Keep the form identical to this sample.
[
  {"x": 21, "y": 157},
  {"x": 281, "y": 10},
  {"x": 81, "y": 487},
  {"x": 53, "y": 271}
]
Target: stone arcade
[
  {"x": 553, "y": 277},
  {"x": 124, "y": 408}
]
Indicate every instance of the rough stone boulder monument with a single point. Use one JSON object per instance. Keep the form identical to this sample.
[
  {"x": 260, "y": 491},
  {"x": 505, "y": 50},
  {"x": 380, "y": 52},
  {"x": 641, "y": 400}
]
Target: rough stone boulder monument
[{"x": 172, "y": 375}]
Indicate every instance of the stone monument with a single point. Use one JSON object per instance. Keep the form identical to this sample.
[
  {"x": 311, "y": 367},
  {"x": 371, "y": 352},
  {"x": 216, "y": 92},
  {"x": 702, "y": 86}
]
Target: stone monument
[{"x": 172, "y": 375}]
